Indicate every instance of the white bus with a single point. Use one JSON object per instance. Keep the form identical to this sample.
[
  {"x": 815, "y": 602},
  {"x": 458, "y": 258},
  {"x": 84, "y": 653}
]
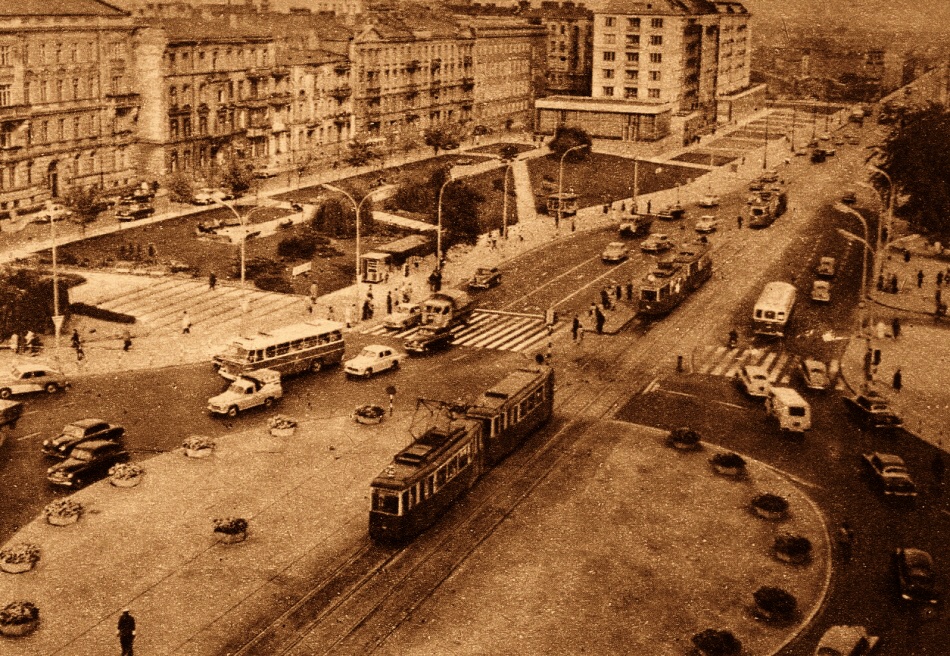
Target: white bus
[
  {"x": 773, "y": 310},
  {"x": 307, "y": 346}
]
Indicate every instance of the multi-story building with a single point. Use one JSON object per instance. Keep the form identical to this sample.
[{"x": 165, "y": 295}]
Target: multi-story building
[
  {"x": 67, "y": 105},
  {"x": 570, "y": 34},
  {"x": 209, "y": 93}
]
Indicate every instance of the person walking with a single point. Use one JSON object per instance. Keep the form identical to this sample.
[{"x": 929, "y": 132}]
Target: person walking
[
  {"x": 920, "y": 278},
  {"x": 896, "y": 327},
  {"x": 575, "y": 328},
  {"x": 898, "y": 380},
  {"x": 126, "y": 632},
  {"x": 212, "y": 280},
  {"x": 15, "y": 343},
  {"x": 76, "y": 342},
  {"x": 185, "y": 323},
  {"x": 599, "y": 319},
  {"x": 739, "y": 221},
  {"x": 939, "y": 278},
  {"x": 389, "y": 302},
  {"x": 309, "y": 302},
  {"x": 126, "y": 340},
  {"x": 605, "y": 298},
  {"x": 618, "y": 292}
]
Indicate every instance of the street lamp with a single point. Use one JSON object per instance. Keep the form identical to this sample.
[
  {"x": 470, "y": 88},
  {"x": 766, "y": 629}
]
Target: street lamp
[
  {"x": 57, "y": 317},
  {"x": 504, "y": 210},
  {"x": 765, "y": 153},
  {"x": 438, "y": 235},
  {"x": 560, "y": 181},
  {"x": 243, "y": 220},
  {"x": 841, "y": 207},
  {"x": 890, "y": 218},
  {"x": 359, "y": 208}
]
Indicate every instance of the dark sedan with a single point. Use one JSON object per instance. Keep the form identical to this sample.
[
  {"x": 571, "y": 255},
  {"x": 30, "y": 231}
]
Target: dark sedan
[
  {"x": 485, "y": 278},
  {"x": 426, "y": 341},
  {"x": 81, "y": 431},
  {"x": 915, "y": 575},
  {"x": 872, "y": 409},
  {"x": 133, "y": 211},
  {"x": 86, "y": 462}
]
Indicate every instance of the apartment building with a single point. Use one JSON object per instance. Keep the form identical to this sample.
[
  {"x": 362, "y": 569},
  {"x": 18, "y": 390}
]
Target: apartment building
[
  {"x": 67, "y": 105},
  {"x": 569, "y": 59}
]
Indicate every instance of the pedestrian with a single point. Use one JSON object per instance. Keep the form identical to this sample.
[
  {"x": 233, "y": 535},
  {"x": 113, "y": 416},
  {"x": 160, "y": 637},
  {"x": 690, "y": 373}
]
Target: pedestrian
[
  {"x": 549, "y": 352},
  {"x": 939, "y": 278},
  {"x": 897, "y": 380},
  {"x": 946, "y": 276},
  {"x": 938, "y": 297},
  {"x": 348, "y": 316},
  {"x": 405, "y": 270},
  {"x": 739, "y": 221},
  {"x": 938, "y": 467},
  {"x": 389, "y": 302},
  {"x": 126, "y": 340},
  {"x": 80, "y": 354},
  {"x": 599, "y": 318},
  {"x": 126, "y": 632},
  {"x": 29, "y": 342},
  {"x": 920, "y": 278},
  {"x": 907, "y": 255},
  {"x": 330, "y": 314},
  {"x": 366, "y": 310},
  {"x": 580, "y": 333},
  {"x": 629, "y": 291},
  {"x": 896, "y": 327},
  {"x": 845, "y": 541},
  {"x": 185, "y": 323},
  {"x": 649, "y": 207},
  {"x": 76, "y": 342},
  {"x": 868, "y": 362},
  {"x": 605, "y": 298},
  {"x": 618, "y": 293},
  {"x": 309, "y": 302},
  {"x": 880, "y": 283},
  {"x": 893, "y": 283},
  {"x": 575, "y": 327},
  {"x": 212, "y": 280},
  {"x": 15, "y": 343}
]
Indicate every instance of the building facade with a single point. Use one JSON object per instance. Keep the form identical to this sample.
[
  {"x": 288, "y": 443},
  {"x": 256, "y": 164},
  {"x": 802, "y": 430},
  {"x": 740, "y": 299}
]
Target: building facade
[
  {"x": 570, "y": 34},
  {"x": 68, "y": 109}
]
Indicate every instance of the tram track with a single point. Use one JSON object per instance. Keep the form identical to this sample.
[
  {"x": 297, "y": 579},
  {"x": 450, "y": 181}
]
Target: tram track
[{"x": 365, "y": 600}]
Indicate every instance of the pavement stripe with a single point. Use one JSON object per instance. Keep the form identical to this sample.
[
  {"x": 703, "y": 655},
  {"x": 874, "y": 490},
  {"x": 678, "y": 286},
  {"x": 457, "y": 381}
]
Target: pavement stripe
[
  {"x": 739, "y": 363},
  {"x": 540, "y": 335},
  {"x": 777, "y": 369},
  {"x": 717, "y": 353},
  {"x": 498, "y": 334},
  {"x": 721, "y": 367}
]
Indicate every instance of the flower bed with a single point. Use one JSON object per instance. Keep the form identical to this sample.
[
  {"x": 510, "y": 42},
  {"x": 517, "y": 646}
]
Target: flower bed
[
  {"x": 126, "y": 474},
  {"x": 19, "y": 557},
  {"x": 19, "y": 618},
  {"x": 770, "y": 506},
  {"x": 230, "y": 529},
  {"x": 713, "y": 642},
  {"x": 369, "y": 414},
  {"x": 198, "y": 446},
  {"x": 775, "y": 604},
  {"x": 728, "y": 464},
  {"x": 790, "y": 548},
  {"x": 63, "y": 512},
  {"x": 685, "y": 439},
  {"x": 281, "y": 426}
]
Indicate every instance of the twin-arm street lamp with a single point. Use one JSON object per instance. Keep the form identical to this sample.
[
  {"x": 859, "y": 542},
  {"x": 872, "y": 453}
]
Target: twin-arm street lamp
[
  {"x": 243, "y": 219},
  {"x": 889, "y": 220},
  {"x": 359, "y": 208},
  {"x": 841, "y": 207},
  {"x": 438, "y": 237},
  {"x": 560, "y": 180}
]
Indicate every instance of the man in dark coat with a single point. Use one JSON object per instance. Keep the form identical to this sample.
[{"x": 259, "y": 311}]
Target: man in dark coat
[{"x": 126, "y": 632}]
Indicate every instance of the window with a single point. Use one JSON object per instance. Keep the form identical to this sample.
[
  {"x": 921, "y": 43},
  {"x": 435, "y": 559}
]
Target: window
[
  {"x": 75, "y": 88},
  {"x": 654, "y": 93},
  {"x": 173, "y": 128},
  {"x": 633, "y": 40},
  {"x": 61, "y": 129},
  {"x": 610, "y": 21},
  {"x": 26, "y": 92},
  {"x": 6, "y": 135},
  {"x": 6, "y": 95},
  {"x": 656, "y": 23},
  {"x": 633, "y": 23},
  {"x": 608, "y": 73},
  {"x": 610, "y": 39},
  {"x": 610, "y": 56},
  {"x": 656, "y": 57},
  {"x": 77, "y": 132},
  {"x": 608, "y": 91},
  {"x": 44, "y": 131},
  {"x": 633, "y": 57},
  {"x": 73, "y": 51},
  {"x": 631, "y": 74},
  {"x": 656, "y": 40},
  {"x": 44, "y": 91},
  {"x": 629, "y": 92},
  {"x": 654, "y": 76},
  {"x": 59, "y": 89},
  {"x": 5, "y": 56}
]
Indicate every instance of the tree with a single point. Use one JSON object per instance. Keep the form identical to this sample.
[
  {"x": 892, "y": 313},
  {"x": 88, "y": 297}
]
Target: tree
[
  {"x": 85, "y": 204},
  {"x": 508, "y": 152},
  {"x": 914, "y": 154},
  {"x": 302, "y": 165},
  {"x": 180, "y": 187},
  {"x": 566, "y": 138},
  {"x": 360, "y": 153},
  {"x": 237, "y": 177},
  {"x": 440, "y": 137},
  {"x": 460, "y": 205}
]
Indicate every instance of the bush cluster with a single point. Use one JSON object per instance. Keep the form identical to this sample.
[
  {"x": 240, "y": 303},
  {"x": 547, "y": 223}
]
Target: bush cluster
[{"x": 94, "y": 312}]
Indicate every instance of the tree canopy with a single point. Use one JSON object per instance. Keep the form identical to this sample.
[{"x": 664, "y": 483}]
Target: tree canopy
[
  {"x": 566, "y": 138},
  {"x": 85, "y": 203},
  {"x": 237, "y": 177},
  {"x": 916, "y": 158}
]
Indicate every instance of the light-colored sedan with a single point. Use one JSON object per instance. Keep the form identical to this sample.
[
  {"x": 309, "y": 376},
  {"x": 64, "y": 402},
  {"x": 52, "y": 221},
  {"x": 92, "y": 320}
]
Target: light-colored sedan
[
  {"x": 616, "y": 251},
  {"x": 709, "y": 200},
  {"x": 815, "y": 374},
  {"x": 208, "y": 196},
  {"x": 657, "y": 242},
  {"x": 707, "y": 224},
  {"x": 846, "y": 641},
  {"x": 26, "y": 378},
  {"x": 373, "y": 359},
  {"x": 404, "y": 316}
]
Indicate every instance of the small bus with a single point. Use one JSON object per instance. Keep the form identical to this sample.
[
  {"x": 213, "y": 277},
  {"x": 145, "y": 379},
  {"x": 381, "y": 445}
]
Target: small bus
[
  {"x": 773, "y": 310},
  {"x": 307, "y": 346}
]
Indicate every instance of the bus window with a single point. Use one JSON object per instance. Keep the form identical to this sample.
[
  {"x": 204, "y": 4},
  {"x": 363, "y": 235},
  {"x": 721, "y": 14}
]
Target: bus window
[
  {"x": 282, "y": 348},
  {"x": 440, "y": 478},
  {"x": 296, "y": 345},
  {"x": 269, "y": 351}
]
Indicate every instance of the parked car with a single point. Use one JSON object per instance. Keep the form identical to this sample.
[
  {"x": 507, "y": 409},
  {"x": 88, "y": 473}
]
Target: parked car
[
  {"x": 616, "y": 251},
  {"x": 890, "y": 472},
  {"x": 854, "y": 140},
  {"x": 821, "y": 291},
  {"x": 86, "y": 462},
  {"x": 485, "y": 278},
  {"x": 846, "y": 641},
  {"x": 26, "y": 378},
  {"x": 373, "y": 359},
  {"x": 708, "y": 200},
  {"x": 873, "y": 410},
  {"x": 849, "y": 197},
  {"x": 814, "y": 374},
  {"x": 754, "y": 381},
  {"x": 81, "y": 431},
  {"x": 266, "y": 171},
  {"x": 769, "y": 176},
  {"x": 656, "y": 242},
  {"x": 54, "y": 212},
  {"x": 404, "y": 316},
  {"x": 208, "y": 196},
  {"x": 133, "y": 211},
  {"x": 916, "y": 577},
  {"x": 826, "y": 267},
  {"x": 707, "y": 224}
]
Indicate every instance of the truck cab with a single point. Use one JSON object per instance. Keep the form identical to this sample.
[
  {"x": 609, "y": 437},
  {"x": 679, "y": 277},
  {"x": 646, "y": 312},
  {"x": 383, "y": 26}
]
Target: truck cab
[{"x": 261, "y": 387}]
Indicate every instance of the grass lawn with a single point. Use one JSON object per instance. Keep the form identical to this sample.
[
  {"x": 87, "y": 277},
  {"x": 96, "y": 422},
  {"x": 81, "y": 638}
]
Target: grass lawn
[
  {"x": 496, "y": 148},
  {"x": 604, "y": 178},
  {"x": 703, "y": 158}
]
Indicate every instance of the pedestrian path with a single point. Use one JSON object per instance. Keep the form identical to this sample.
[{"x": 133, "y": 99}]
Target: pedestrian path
[
  {"x": 781, "y": 366},
  {"x": 486, "y": 329}
]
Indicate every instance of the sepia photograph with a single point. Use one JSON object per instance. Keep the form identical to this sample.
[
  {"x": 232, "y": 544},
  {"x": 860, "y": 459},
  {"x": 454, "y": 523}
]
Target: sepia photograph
[{"x": 474, "y": 328}]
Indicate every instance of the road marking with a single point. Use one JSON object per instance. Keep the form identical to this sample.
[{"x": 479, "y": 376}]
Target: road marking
[
  {"x": 800, "y": 481},
  {"x": 26, "y": 437},
  {"x": 696, "y": 396}
]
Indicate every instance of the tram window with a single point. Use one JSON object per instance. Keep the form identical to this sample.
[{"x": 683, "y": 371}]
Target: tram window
[
  {"x": 269, "y": 351},
  {"x": 440, "y": 477},
  {"x": 413, "y": 495},
  {"x": 463, "y": 460},
  {"x": 405, "y": 500},
  {"x": 429, "y": 487},
  {"x": 453, "y": 467},
  {"x": 386, "y": 502},
  {"x": 282, "y": 348},
  {"x": 310, "y": 342},
  {"x": 647, "y": 294},
  {"x": 495, "y": 422}
]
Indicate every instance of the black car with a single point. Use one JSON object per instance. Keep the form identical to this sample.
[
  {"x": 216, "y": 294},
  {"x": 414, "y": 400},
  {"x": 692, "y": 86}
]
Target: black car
[
  {"x": 426, "y": 341},
  {"x": 86, "y": 462},
  {"x": 81, "y": 431},
  {"x": 133, "y": 211},
  {"x": 871, "y": 409},
  {"x": 916, "y": 578},
  {"x": 485, "y": 278}
]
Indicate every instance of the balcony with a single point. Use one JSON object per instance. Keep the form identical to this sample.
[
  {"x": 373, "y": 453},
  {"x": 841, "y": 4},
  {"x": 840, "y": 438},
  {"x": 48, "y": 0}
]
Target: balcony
[
  {"x": 341, "y": 120},
  {"x": 341, "y": 93},
  {"x": 280, "y": 71},
  {"x": 124, "y": 99},
  {"x": 413, "y": 66},
  {"x": 341, "y": 68},
  {"x": 15, "y": 112},
  {"x": 255, "y": 102},
  {"x": 467, "y": 60},
  {"x": 257, "y": 73},
  {"x": 179, "y": 109},
  {"x": 256, "y": 132},
  {"x": 279, "y": 98},
  {"x": 435, "y": 65},
  {"x": 468, "y": 83}
]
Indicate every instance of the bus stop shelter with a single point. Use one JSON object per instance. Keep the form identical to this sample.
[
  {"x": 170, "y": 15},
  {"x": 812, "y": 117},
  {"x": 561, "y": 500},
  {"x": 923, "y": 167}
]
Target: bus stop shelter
[{"x": 374, "y": 266}]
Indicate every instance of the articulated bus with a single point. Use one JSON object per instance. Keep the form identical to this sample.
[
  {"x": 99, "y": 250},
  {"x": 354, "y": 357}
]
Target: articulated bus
[
  {"x": 307, "y": 346},
  {"x": 773, "y": 310}
]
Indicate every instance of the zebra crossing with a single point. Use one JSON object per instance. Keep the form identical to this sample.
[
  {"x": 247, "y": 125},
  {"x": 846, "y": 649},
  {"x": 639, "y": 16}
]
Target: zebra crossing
[
  {"x": 502, "y": 331},
  {"x": 723, "y": 361}
]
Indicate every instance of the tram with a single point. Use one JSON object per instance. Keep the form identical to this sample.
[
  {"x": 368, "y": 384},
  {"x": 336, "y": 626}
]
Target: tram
[
  {"x": 674, "y": 278},
  {"x": 426, "y": 477}
]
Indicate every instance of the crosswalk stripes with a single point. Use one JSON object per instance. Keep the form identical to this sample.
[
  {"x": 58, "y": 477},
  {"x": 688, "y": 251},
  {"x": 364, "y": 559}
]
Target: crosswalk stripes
[
  {"x": 726, "y": 362},
  {"x": 487, "y": 330}
]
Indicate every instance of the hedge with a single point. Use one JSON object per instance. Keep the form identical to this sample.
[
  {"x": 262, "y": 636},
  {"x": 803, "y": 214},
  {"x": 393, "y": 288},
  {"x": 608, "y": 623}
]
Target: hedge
[{"x": 94, "y": 312}]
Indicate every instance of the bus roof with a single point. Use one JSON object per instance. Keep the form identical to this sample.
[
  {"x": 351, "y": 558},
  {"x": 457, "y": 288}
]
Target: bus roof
[
  {"x": 288, "y": 333},
  {"x": 777, "y": 293},
  {"x": 509, "y": 387}
]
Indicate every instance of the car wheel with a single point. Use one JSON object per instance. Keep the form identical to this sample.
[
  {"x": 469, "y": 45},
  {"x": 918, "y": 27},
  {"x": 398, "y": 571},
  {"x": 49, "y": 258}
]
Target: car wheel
[
  {"x": 268, "y": 402},
  {"x": 367, "y": 373},
  {"x": 5, "y": 393},
  {"x": 52, "y": 388},
  {"x": 316, "y": 365},
  {"x": 233, "y": 411}
]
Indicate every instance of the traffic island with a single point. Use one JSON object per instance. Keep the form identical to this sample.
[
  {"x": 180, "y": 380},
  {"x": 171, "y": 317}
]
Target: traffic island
[{"x": 629, "y": 547}]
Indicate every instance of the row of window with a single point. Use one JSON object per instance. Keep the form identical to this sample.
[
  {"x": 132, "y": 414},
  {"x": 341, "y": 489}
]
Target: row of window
[
  {"x": 633, "y": 57},
  {"x": 253, "y": 57},
  {"x": 631, "y": 92},
  {"x": 23, "y": 174},
  {"x": 400, "y": 503},
  {"x": 630, "y": 74},
  {"x": 633, "y": 40},
  {"x": 633, "y": 23},
  {"x": 59, "y": 53}
]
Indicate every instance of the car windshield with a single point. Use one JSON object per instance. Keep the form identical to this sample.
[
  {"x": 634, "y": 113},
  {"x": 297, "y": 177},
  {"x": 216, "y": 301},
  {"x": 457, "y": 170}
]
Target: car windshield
[
  {"x": 81, "y": 454},
  {"x": 71, "y": 430},
  {"x": 368, "y": 353}
]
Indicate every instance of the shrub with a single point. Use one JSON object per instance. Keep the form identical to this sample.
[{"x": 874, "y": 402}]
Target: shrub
[
  {"x": 230, "y": 525},
  {"x": 298, "y": 247},
  {"x": 23, "y": 552},
  {"x": 796, "y": 548},
  {"x": 713, "y": 642},
  {"x": 684, "y": 436},
  {"x": 274, "y": 283},
  {"x": 731, "y": 460},
  {"x": 19, "y": 612},
  {"x": 94, "y": 312},
  {"x": 772, "y": 503},
  {"x": 775, "y": 603},
  {"x": 196, "y": 442}
]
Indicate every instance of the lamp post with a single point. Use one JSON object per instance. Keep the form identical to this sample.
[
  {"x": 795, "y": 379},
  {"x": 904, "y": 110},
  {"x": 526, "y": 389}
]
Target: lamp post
[
  {"x": 359, "y": 207},
  {"x": 243, "y": 220},
  {"x": 57, "y": 317},
  {"x": 504, "y": 210},
  {"x": 438, "y": 236},
  {"x": 880, "y": 224},
  {"x": 765, "y": 153},
  {"x": 560, "y": 181},
  {"x": 841, "y": 207}
]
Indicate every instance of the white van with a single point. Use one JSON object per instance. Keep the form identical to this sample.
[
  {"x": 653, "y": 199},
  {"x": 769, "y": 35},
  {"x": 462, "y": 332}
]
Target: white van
[
  {"x": 788, "y": 408},
  {"x": 754, "y": 381}
]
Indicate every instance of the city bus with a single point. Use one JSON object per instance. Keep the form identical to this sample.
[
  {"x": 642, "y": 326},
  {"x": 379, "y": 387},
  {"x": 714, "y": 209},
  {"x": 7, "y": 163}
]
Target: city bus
[
  {"x": 307, "y": 346},
  {"x": 773, "y": 310}
]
